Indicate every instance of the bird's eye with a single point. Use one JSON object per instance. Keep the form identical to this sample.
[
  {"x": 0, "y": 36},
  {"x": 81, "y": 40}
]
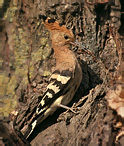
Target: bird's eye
[{"x": 66, "y": 37}]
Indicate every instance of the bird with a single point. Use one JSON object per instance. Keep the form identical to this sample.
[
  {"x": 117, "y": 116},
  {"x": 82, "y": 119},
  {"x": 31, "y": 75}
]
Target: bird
[{"x": 65, "y": 79}]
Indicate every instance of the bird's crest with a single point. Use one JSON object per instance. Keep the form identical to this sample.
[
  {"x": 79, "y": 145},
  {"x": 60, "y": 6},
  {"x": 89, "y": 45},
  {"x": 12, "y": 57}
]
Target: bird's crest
[{"x": 53, "y": 25}]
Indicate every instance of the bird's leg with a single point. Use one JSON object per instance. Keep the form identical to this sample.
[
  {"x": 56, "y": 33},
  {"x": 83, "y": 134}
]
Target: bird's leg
[{"x": 68, "y": 108}]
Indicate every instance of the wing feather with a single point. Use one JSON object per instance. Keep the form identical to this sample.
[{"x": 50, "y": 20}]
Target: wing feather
[
  {"x": 58, "y": 82},
  {"x": 58, "y": 86}
]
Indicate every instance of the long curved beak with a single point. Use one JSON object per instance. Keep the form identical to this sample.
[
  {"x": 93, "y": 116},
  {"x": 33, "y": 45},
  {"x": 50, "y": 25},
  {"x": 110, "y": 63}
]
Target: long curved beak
[{"x": 83, "y": 48}]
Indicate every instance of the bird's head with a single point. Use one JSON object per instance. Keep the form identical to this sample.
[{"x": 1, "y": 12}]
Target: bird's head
[{"x": 61, "y": 35}]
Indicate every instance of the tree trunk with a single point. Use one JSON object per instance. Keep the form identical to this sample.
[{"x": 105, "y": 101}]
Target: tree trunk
[{"x": 28, "y": 61}]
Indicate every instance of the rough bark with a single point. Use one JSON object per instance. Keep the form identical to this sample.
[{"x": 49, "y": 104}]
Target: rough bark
[{"x": 28, "y": 59}]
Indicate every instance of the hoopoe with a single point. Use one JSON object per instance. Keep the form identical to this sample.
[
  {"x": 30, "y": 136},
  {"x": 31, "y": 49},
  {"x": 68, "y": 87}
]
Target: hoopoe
[{"x": 65, "y": 79}]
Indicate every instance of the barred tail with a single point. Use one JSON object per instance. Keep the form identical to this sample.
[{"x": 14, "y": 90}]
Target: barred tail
[
  {"x": 30, "y": 129},
  {"x": 32, "y": 126}
]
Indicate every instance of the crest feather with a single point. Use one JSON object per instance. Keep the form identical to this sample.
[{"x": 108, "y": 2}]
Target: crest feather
[{"x": 53, "y": 25}]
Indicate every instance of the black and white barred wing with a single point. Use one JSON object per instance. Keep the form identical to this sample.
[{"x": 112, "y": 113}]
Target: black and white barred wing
[{"x": 57, "y": 87}]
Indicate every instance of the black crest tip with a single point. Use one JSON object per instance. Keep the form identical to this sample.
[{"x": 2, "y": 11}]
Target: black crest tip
[
  {"x": 42, "y": 17},
  {"x": 51, "y": 20},
  {"x": 60, "y": 24}
]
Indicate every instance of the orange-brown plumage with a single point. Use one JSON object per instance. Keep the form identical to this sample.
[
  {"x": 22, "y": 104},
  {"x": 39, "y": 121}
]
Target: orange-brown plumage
[
  {"x": 61, "y": 45},
  {"x": 57, "y": 26}
]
